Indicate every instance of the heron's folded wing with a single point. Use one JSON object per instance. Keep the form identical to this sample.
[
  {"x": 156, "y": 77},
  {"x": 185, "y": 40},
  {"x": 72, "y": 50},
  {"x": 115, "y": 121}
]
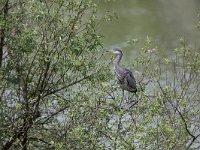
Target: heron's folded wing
[{"x": 131, "y": 80}]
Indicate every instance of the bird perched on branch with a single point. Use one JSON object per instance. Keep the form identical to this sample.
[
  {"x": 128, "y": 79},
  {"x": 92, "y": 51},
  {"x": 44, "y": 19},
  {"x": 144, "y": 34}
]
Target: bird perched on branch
[{"x": 124, "y": 76}]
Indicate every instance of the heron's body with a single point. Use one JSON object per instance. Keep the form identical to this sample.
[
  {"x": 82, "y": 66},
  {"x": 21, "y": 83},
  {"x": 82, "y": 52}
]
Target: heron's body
[{"x": 124, "y": 76}]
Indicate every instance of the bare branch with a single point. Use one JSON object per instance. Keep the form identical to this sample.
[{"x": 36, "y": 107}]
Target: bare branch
[
  {"x": 64, "y": 87},
  {"x": 54, "y": 114},
  {"x": 182, "y": 118}
]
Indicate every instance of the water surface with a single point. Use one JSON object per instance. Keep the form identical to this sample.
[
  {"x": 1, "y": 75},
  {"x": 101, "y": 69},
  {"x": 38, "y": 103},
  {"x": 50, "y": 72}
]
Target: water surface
[{"x": 164, "y": 21}]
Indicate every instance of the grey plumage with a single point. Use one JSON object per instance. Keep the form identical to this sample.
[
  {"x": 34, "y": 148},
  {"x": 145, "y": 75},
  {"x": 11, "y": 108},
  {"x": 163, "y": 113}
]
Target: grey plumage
[{"x": 124, "y": 76}]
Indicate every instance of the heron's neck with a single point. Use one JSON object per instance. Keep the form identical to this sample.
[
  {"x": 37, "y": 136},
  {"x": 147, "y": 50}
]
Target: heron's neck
[{"x": 117, "y": 60}]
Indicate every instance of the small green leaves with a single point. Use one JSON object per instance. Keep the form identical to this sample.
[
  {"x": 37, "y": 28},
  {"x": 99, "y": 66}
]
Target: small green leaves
[{"x": 57, "y": 90}]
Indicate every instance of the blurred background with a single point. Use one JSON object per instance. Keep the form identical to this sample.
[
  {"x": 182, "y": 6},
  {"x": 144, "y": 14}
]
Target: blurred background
[{"x": 163, "y": 21}]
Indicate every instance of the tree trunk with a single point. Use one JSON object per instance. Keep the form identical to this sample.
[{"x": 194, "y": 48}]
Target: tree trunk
[{"x": 2, "y": 31}]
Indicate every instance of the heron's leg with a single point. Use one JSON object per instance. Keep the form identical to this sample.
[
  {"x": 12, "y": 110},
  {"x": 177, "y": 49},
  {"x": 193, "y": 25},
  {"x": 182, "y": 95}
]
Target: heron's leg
[
  {"x": 135, "y": 101},
  {"x": 131, "y": 98},
  {"x": 122, "y": 98}
]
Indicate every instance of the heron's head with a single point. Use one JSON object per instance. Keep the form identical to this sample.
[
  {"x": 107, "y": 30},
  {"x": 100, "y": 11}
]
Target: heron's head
[{"x": 117, "y": 51}]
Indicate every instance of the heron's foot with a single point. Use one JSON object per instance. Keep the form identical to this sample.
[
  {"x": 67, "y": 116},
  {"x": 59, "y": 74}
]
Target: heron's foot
[
  {"x": 132, "y": 99},
  {"x": 128, "y": 105}
]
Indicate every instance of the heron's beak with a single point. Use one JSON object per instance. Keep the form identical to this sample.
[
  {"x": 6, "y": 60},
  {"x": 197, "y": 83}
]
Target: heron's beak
[{"x": 109, "y": 51}]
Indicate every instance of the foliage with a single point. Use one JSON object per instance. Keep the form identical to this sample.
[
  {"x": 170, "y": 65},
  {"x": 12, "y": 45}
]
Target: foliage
[
  {"x": 49, "y": 48},
  {"x": 55, "y": 89}
]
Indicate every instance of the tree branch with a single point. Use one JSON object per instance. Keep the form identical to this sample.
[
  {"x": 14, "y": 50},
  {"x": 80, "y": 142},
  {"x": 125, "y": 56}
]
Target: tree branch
[
  {"x": 2, "y": 31},
  {"x": 64, "y": 87},
  {"x": 182, "y": 118}
]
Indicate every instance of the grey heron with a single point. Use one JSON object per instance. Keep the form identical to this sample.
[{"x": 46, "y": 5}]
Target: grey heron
[{"x": 124, "y": 76}]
